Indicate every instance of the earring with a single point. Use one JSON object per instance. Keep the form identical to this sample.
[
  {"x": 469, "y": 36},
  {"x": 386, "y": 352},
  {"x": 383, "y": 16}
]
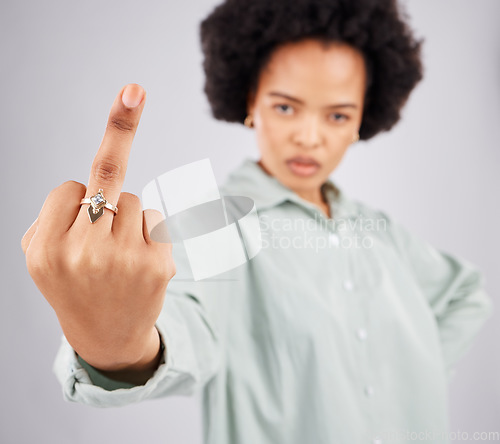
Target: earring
[
  {"x": 249, "y": 121},
  {"x": 355, "y": 138}
]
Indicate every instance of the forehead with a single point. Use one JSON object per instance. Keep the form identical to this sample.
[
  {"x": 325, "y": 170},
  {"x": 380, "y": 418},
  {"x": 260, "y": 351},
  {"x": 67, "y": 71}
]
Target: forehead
[{"x": 310, "y": 68}]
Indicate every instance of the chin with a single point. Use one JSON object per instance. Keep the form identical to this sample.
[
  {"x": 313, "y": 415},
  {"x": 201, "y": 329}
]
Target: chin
[{"x": 301, "y": 183}]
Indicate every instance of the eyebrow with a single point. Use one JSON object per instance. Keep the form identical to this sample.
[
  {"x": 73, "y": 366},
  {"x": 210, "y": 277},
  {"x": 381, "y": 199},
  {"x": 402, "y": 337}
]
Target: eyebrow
[{"x": 294, "y": 99}]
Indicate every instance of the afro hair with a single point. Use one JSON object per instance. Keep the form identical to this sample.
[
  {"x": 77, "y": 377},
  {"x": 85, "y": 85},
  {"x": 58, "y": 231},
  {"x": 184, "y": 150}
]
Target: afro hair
[{"x": 239, "y": 36}]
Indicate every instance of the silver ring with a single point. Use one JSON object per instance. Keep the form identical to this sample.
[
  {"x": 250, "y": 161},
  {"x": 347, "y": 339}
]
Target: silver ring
[{"x": 97, "y": 204}]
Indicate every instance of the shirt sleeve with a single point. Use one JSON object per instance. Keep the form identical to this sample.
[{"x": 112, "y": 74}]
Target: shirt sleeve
[
  {"x": 190, "y": 358},
  {"x": 453, "y": 286}
]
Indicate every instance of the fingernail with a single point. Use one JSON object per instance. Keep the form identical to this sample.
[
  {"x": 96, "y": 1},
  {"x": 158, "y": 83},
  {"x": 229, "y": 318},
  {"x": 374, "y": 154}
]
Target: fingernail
[{"x": 132, "y": 95}]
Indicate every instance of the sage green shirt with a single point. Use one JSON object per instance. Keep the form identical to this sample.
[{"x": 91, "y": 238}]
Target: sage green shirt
[{"x": 343, "y": 330}]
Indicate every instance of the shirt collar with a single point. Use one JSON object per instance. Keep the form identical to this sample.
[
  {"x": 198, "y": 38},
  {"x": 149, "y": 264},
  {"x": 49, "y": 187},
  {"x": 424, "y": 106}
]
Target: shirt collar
[{"x": 250, "y": 180}]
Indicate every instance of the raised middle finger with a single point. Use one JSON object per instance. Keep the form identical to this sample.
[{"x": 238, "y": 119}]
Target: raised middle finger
[{"x": 110, "y": 164}]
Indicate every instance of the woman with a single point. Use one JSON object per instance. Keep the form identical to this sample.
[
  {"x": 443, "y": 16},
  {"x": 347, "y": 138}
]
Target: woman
[{"x": 334, "y": 332}]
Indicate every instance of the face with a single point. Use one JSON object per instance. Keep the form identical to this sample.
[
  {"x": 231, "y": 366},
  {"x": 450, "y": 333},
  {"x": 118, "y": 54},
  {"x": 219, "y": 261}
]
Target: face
[{"x": 306, "y": 111}]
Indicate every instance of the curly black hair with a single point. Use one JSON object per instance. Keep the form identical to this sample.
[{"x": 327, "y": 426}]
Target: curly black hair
[{"x": 239, "y": 36}]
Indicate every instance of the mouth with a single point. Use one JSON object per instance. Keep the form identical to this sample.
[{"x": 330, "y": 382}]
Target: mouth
[{"x": 303, "y": 166}]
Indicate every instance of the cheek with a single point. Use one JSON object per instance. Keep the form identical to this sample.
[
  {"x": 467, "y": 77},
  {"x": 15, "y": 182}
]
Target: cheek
[
  {"x": 336, "y": 155},
  {"x": 272, "y": 135}
]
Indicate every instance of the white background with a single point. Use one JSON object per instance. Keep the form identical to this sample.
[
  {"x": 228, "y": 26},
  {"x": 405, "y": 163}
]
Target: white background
[{"x": 62, "y": 64}]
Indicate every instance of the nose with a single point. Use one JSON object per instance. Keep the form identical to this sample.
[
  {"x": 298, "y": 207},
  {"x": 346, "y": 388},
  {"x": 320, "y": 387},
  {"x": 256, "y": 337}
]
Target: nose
[{"x": 308, "y": 134}]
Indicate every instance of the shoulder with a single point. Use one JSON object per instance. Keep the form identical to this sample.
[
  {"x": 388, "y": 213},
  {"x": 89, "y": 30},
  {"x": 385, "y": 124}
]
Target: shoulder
[{"x": 377, "y": 223}]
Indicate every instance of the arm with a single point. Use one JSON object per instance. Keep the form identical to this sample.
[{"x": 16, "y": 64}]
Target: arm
[
  {"x": 189, "y": 359},
  {"x": 137, "y": 374},
  {"x": 453, "y": 286}
]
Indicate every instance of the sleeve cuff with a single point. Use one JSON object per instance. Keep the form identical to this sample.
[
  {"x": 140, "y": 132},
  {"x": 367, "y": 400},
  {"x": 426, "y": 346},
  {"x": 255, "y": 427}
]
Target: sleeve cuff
[
  {"x": 192, "y": 355},
  {"x": 85, "y": 384},
  {"x": 101, "y": 380}
]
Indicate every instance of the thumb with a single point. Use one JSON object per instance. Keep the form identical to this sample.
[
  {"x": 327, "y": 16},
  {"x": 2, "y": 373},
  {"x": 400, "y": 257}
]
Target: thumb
[{"x": 155, "y": 228}]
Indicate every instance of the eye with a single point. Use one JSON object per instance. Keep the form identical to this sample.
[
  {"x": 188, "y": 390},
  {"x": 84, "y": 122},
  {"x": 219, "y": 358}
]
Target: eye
[
  {"x": 283, "y": 108},
  {"x": 338, "y": 117}
]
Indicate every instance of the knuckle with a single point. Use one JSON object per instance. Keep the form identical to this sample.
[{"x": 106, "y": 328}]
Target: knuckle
[
  {"x": 25, "y": 243},
  {"x": 74, "y": 262},
  {"x": 34, "y": 262},
  {"x": 129, "y": 199},
  {"x": 73, "y": 186},
  {"x": 120, "y": 124},
  {"x": 42, "y": 261},
  {"x": 171, "y": 270},
  {"x": 165, "y": 269},
  {"x": 89, "y": 262},
  {"x": 106, "y": 170},
  {"x": 68, "y": 190},
  {"x": 30, "y": 232}
]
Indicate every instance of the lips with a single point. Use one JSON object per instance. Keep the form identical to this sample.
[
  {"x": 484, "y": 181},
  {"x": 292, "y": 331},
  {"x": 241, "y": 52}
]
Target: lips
[
  {"x": 303, "y": 160},
  {"x": 303, "y": 166}
]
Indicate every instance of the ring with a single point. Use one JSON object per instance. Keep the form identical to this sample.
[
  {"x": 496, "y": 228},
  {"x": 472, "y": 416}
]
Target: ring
[{"x": 97, "y": 204}]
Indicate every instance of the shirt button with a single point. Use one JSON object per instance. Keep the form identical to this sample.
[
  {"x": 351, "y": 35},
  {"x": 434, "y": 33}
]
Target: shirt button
[
  {"x": 361, "y": 333},
  {"x": 369, "y": 390},
  {"x": 334, "y": 239},
  {"x": 348, "y": 285}
]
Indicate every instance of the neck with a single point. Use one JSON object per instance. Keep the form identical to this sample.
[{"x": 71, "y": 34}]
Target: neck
[{"x": 316, "y": 197}]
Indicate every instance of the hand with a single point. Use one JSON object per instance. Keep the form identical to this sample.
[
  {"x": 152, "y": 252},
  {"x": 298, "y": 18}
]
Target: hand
[{"x": 106, "y": 280}]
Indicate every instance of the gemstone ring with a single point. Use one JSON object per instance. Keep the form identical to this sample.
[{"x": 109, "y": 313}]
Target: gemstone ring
[{"x": 97, "y": 204}]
